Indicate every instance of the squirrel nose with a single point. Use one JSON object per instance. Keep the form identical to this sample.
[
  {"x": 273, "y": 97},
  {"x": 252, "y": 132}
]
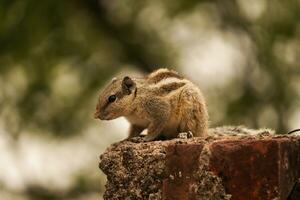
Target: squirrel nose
[{"x": 97, "y": 115}]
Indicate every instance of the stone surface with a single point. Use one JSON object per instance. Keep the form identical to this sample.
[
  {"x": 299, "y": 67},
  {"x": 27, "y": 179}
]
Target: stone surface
[
  {"x": 257, "y": 169},
  {"x": 233, "y": 163}
]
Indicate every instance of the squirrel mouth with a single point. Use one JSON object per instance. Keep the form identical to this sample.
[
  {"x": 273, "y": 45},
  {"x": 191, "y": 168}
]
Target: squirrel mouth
[
  {"x": 104, "y": 115},
  {"x": 97, "y": 115},
  {"x": 107, "y": 117}
]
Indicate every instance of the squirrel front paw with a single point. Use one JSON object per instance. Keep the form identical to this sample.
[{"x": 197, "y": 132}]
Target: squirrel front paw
[
  {"x": 137, "y": 139},
  {"x": 185, "y": 135},
  {"x": 149, "y": 138}
]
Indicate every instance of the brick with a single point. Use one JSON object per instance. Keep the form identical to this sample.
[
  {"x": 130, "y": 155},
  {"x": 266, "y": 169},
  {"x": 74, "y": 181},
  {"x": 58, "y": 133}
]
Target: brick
[
  {"x": 181, "y": 164},
  {"x": 247, "y": 167},
  {"x": 257, "y": 169},
  {"x": 295, "y": 194}
]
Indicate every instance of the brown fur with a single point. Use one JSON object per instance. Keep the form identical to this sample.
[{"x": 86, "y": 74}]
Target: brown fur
[{"x": 163, "y": 102}]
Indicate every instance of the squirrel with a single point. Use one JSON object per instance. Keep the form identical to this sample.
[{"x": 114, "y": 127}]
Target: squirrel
[{"x": 164, "y": 103}]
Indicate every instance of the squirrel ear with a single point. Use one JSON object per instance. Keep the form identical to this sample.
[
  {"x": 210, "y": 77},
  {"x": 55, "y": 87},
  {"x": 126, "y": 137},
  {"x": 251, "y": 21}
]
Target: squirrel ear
[{"x": 127, "y": 84}]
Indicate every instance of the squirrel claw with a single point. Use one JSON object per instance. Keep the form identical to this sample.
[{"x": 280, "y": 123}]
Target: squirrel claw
[
  {"x": 149, "y": 138},
  {"x": 137, "y": 139},
  {"x": 185, "y": 135}
]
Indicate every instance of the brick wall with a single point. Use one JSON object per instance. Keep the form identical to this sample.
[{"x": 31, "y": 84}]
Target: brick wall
[{"x": 237, "y": 165}]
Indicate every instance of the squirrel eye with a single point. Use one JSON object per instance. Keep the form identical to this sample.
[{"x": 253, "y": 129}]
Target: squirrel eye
[{"x": 112, "y": 98}]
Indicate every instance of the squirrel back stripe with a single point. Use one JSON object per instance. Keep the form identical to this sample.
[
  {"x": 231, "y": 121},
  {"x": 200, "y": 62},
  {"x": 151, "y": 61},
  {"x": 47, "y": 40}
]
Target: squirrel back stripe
[
  {"x": 172, "y": 86},
  {"x": 168, "y": 85},
  {"x": 161, "y": 74}
]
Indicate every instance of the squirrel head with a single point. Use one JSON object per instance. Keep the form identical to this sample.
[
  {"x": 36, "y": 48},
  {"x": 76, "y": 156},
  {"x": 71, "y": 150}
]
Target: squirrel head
[{"x": 114, "y": 101}]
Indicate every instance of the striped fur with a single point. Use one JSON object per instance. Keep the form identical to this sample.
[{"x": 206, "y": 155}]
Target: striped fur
[
  {"x": 162, "y": 74},
  {"x": 164, "y": 81},
  {"x": 169, "y": 87},
  {"x": 163, "y": 102}
]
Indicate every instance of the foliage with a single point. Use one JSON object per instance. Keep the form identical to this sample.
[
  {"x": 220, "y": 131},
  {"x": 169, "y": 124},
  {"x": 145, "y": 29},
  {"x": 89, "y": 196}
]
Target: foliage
[{"x": 94, "y": 39}]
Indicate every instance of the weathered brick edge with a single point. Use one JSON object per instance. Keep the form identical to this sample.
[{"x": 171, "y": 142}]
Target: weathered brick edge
[{"x": 246, "y": 168}]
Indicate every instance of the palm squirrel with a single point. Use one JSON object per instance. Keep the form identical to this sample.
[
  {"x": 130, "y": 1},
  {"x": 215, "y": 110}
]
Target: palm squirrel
[{"x": 163, "y": 102}]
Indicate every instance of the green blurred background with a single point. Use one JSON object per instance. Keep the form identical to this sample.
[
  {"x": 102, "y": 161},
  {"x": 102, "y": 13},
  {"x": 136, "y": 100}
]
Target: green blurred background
[{"x": 56, "y": 55}]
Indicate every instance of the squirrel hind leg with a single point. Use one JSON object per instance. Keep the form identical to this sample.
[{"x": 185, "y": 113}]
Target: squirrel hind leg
[
  {"x": 196, "y": 122},
  {"x": 194, "y": 114}
]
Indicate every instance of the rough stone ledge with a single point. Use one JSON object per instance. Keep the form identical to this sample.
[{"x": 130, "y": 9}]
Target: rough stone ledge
[{"x": 234, "y": 163}]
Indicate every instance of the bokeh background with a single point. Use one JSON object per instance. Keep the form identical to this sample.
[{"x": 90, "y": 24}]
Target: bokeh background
[{"x": 55, "y": 56}]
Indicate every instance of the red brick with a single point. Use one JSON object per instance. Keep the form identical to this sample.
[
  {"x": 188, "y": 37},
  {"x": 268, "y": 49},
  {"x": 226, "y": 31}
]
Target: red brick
[
  {"x": 257, "y": 169},
  {"x": 181, "y": 163},
  {"x": 260, "y": 167}
]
